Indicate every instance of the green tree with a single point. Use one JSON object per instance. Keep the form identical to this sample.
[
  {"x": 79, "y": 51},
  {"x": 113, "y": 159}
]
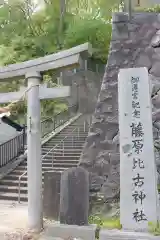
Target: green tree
[{"x": 26, "y": 33}]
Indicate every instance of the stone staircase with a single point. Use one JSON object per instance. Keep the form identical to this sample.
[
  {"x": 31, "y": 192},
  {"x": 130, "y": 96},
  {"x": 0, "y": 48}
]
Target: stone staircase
[{"x": 59, "y": 153}]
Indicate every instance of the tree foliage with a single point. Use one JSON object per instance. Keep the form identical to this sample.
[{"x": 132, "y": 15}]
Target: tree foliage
[{"x": 27, "y": 32}]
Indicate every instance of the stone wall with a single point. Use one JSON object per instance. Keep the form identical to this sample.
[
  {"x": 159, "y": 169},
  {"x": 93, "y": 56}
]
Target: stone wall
[
  {"x": 134, "y": 44},
  {"x": 85, "y": 87}
]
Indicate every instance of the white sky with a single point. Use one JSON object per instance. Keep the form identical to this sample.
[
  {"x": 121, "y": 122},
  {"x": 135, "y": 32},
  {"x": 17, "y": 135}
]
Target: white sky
[{"x": 40, "y": 4}]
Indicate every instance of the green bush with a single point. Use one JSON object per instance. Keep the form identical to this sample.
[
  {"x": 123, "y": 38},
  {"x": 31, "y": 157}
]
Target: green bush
[
  {"x": 154, "y": 228},
  {"x": 101, "y": 222},
  {"x": 155, "y": 9}
]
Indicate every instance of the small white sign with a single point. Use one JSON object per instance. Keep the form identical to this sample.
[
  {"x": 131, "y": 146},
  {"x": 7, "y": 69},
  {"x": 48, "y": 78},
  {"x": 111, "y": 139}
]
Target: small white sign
[{"x": 138, "y": 185}]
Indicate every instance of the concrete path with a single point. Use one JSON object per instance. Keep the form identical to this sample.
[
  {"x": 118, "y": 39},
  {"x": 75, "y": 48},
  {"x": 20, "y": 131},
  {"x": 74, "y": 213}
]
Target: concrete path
[{"x": 13, "y": 222}]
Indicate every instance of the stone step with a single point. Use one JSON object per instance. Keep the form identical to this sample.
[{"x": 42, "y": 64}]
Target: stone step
[
  {"x": 69, "y": 144},
  {"x": 48, "y": 157},
  {"x": 62, "y": 165},
  {"x": 71, "y": 131},
  {"x": 48, "y": 168},
  {"x": 19, "y": 172},
  {"x": 58, "y": 153},
  {"x": 61, "y": 155},
  {"x": 52, "y": 155},
  {"x": 12, "y": 183},
  {"x": 24, "y": 178},
  {"x": 78, "y": 124},
  {"x": 9, "y": 185},
  {"x": 7, "y": 182},
  {"x": 70, "y": 147},
  {"x": 67, "y": 141},
  {"x": 49, "y": 164},
  {"x": 60, "y": 159},
  {"x": 66, "y": 137},
  {"x": 13, "y": 196},
  {"x": 69, "y": 134},
  {"x": 69, "y": 138},
  {"x": 13, "y": 189},
  {"x": 75, "y": 150}
]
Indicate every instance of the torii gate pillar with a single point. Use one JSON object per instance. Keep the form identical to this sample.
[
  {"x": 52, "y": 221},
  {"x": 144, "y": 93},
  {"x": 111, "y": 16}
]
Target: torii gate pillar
[{"x": 34, "y": 159}]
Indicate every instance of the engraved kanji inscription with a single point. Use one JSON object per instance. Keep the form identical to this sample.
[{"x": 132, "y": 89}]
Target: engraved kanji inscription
[
  {"x": 138, "y": 180},
  {"x": 137, "y": 162},
  {"x": 137, "y": 130},
  {"x": 137, "y": 145},
  {"x": 138, "y": 196},
  {"x": 139, "y": 216}
]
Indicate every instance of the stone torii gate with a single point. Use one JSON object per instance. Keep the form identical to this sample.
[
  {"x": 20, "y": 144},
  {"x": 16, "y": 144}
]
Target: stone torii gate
[{"x": 33, "y": 70}]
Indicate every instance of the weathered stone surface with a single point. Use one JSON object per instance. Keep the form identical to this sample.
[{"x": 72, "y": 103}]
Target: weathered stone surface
[
  {"x": 95, "y": 179},
  {"x": 156, "y": 102},
  {"x": 136, "y": 53},
  {"x": 155, "y": 70},
  {"x": 51, "y": 194},
  {"x": 143, "y": 61},
  {"x": 120, "y": 234},
  {"x": 149, "y": 34},
  {"x": 115, "y": 45},
  {"x": 144, "y": 30},
  {"x": 69, "y": 232},
  {"x": 74, "y": 197},
  {"x": 120, "y": 17},
  {"x": 156, "y": 51},
  {"x": 135, "y": 49},
  {"x": 107, "y": 145},
  {"x": 155, "y": 41},
  {"x": 156, "y": 25},
  {"x": 109, "y": 189},
  {"x": 158, "y": 18},
  {"x": 116, "y": 139},
  {"x": 155, "y": 132},
  {"x": 114, "y": 158},
  {"x": 149, "y": 51},
  {"x": 104, "y": 95},
  {"x": 132, "y": 27},
  {"x": 106, "y": 108},
  {"x": 155, "y": 85},
  {"x": 120, "y": 31},
  {"x": 85, "y": 87},
  {"x": 101, "y": 167}
]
